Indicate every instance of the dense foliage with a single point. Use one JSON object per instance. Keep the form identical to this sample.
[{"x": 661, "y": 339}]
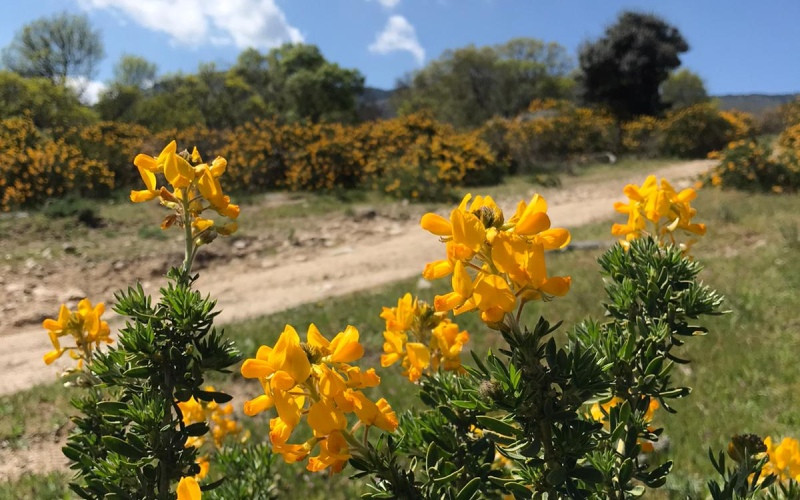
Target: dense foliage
[{"x": 625, "y": 68}]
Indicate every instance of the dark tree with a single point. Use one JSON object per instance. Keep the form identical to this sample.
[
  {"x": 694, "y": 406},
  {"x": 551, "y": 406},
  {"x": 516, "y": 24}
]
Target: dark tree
[
  {"x": 57, "y": 47},
  {"x": 624, "y": 69}
]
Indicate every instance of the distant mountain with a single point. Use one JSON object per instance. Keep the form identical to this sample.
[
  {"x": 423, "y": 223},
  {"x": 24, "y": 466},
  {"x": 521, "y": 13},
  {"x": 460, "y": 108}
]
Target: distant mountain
[{"x": 756, "y": 104}]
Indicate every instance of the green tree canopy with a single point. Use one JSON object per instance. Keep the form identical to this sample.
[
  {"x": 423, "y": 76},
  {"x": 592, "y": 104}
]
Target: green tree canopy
[
  {"x": 467, "y": 86},
  {"x": 57, "y": 47},
  {"x": 291, "y": 82},
  {"x": 683, "y": 88},
  {"x": 624, "y": 69},
  {"x": 48, "y": 104},
  {"x": 134, "y": 71}
]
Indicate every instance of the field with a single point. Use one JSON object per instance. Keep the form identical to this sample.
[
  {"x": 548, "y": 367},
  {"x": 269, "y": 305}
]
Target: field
[{"x": 744, "y": 373}]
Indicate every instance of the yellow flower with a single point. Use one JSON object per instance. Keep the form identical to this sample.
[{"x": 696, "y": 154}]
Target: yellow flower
[
  {"x": 666, "y": 209},
  {"x": 313, "y": 379},
  {"x": 333, "y": 453},
  {"x": 83, "y": 325},
  {"x": 188, "y": 489},
  {"x": 784, "y": 458}
]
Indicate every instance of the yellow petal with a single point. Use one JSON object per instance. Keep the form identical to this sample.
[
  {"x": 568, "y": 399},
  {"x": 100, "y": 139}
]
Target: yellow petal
[
  {"x": 316, "y": 339},
  {"x": 553, "y": 238},
  {"x": 146, "y": 162},
  {"x": 257, "y": 405},
  {"x": 345, "y": 346},
  {"x": 256, "y": 368},
  {"x": 436, "y": 224},
  {"x": 437, "y": 269},
  {"x": 141, "y": 196},
  {"x": 188, "y": 489},
  {"x": 462, "y": 283},
  {"x": 52, "y": 356}
]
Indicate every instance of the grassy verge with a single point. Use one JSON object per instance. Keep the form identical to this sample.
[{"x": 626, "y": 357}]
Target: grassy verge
[{"x": 744, "y": 373}]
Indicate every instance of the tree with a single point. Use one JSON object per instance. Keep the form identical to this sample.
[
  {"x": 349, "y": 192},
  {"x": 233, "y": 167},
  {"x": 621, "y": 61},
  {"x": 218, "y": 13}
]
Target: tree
[
  {"x": 134, "y": 71},
  {"x": 304, "y": 84},
  {"x": 48, "y": 105},
  {"x": 467, "y": 86},
  {"x": 624, "y": 69},
  {"x": 683, "y": 88},
  {"x": 57, "y": 47}
]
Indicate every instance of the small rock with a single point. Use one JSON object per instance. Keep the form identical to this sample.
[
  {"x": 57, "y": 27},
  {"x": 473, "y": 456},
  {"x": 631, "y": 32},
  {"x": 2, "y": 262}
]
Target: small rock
[
  {"x": 423, "y": 284},
  {"x": 43, "y": 293},
  {"x": 16, "y": 288},
  {"x": 30, "y": 263},
  {"x": 394, "y": 231},
  {"x": 47, "y": 253},
  {"x": 69, "y": 248},
  {"x": 118, "y": 265},
  {"x": 367, "y": 213},
  {"x": 240, "y": 244}
]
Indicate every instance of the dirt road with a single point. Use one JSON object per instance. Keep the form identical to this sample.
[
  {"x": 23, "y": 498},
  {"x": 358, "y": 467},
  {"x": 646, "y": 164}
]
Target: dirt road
[{"x": 250, "y": 286}]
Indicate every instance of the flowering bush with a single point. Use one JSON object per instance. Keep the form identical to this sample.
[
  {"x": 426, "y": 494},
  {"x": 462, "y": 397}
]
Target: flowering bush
[
  {"x": 696, "y": 130},
  {"x": 642, "y": 136},
  {"x": 790, "y": 138},
  {"x": 749, "y": 166},
  {"x": 34, "y": 167},
  {"x": 558, "y": 130}
]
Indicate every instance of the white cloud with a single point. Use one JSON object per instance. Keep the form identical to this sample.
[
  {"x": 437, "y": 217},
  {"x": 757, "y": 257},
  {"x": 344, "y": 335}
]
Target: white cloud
[
  {"x": 398, "y": 34},
  {"x": 243, "y": 23},
  {"x": 88, "y": 90},
  {"x": 389, "y": 4}
]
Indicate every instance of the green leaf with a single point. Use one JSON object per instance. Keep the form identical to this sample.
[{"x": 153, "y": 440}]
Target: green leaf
[
  {"x": 497, "y": 426},
  {"x": 448, "y": 478},
  {"x": 196, "y": 429},
  {"x": 114, "y": 408},
  {"x": 137, "y": 372},
  {"x": 467, "y": 405},
  {"x": 217, "y": 397},
  {"x": 469, "y": 490},
  {"x": 123, "y": 448}
]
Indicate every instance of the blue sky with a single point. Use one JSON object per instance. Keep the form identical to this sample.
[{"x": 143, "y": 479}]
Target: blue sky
[{"x": 737, "y": 46}]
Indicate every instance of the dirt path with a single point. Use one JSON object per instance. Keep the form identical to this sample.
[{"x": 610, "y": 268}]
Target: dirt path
[{"x": 349, "y": 258}]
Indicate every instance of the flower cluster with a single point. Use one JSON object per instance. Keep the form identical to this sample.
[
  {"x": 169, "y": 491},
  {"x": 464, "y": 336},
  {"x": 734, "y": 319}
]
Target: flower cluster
[
  {"x": 316, "y": 379},
  {"x": 194, "y": 183},
  {"x": 666, "y": 209},
  {"x": 83, "y": 325},
  {"x": 221, "y": 423},
  {"x": 507, "y": 258},
  {"x": 784, "y": 459},
  {"x": 420, "y": 338},
  {"x": 599, "y": 413}
]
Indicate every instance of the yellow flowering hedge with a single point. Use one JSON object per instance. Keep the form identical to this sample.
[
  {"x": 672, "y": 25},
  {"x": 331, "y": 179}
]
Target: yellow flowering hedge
[
  {"x": 557, "y": 130},
  {"x": 642, "y": 136},
  {"x": 35, "y": 167},
  {"x": 750, "y": 166},
  {"x": 790, "y": 138},
  {"x": 110, "y": 143},
  {"x": 697, "y": 130}
]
